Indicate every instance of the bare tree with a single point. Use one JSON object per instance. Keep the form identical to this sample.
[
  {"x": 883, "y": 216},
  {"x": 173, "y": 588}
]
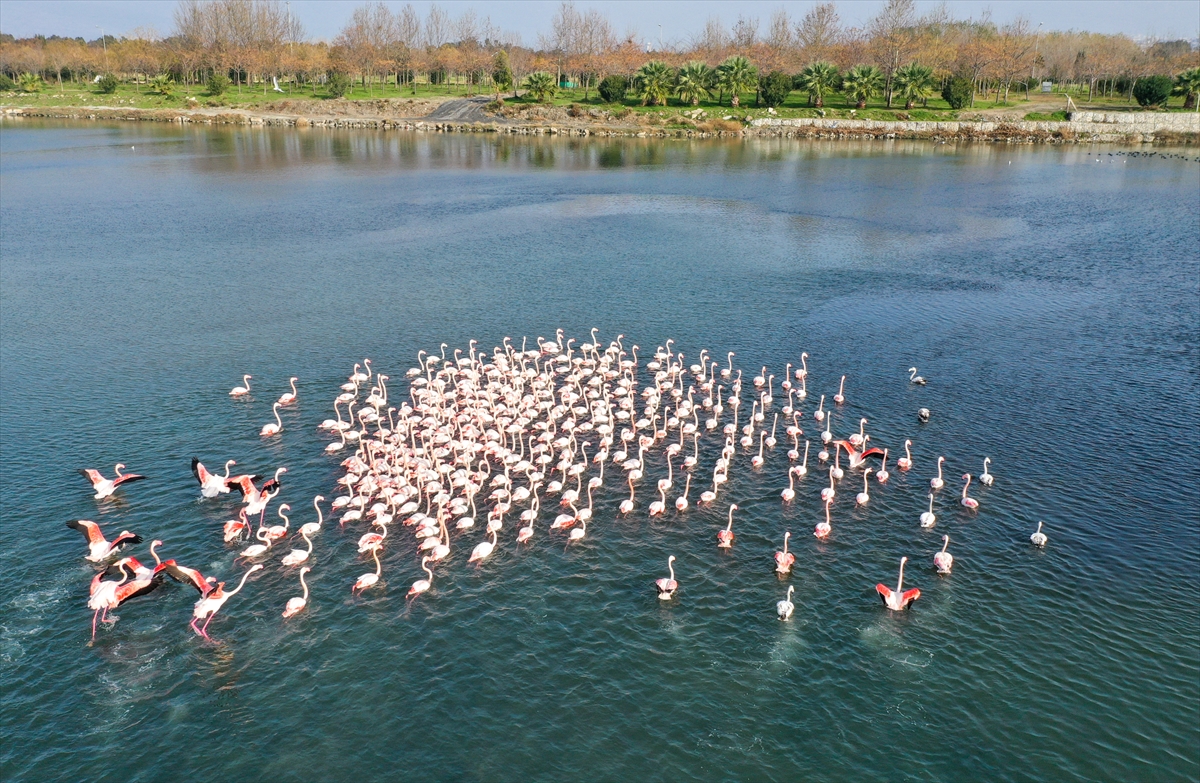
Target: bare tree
[
  {"x": 745, "y": 33},
  {"x": 818, "y": 32},
  {"x": 894, "y": 38}
]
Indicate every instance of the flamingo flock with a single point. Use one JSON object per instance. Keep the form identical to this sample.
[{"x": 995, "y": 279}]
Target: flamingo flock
[{"x": 499, "y": 435}]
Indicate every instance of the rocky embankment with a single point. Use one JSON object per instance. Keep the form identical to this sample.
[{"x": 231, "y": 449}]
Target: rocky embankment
[{"x": 478, "y": 115}]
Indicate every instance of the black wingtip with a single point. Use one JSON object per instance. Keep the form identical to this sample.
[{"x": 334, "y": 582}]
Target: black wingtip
[
  {"x": 83, "y": 473},
  {"x": 74, "y": 524},
  {"x": 136, "y": 539}
]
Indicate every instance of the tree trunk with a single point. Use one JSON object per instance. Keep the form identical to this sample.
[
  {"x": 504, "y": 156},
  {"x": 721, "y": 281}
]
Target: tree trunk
[
  {"x": 908, "y": 104},
  {"x": 1189, "y": 101},
  {"x": 862, "y": 103},
  {"x": 734, "y": 101}
]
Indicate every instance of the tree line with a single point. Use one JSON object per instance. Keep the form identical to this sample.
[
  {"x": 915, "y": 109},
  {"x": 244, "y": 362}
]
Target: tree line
[{"x": 898, "y": 54}]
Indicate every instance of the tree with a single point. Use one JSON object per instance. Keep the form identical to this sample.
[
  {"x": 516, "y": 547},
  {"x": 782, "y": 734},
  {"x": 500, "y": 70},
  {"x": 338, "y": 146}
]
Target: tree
[
  {"x": 655, "y": 81},
  {"x": 1153, "y": 90},
  {"x": 693, "y": 82},
  {"x": 817, "y": 80},
  {"x": 29, "y": 82},
  {"x": 862, "y": 83},
  {"x": 1187, "y": 84},
  {"x": 543, "y": 86},
  {"x": 339, "y": 84},
  {"x": 913, "y": 81},
  {"x": 735, "y": 76},
  {"x": 818, "y": 32},
  {"x": 958, "y": 91},
  {"x": 162, "y": 85},
  {"x": 217, "y": 83},
  {"x": 612, "y": 88},
  {"x": 108, "y": 84},
  {"x": 893, "y": 38},
  {"x": 775, "y": 87},
  {"x": 502, "y": 75}
]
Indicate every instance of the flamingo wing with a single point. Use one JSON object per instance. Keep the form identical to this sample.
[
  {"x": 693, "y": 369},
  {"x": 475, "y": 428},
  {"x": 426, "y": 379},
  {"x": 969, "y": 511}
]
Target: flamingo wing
[
  {"x": 884, "y": 591},
  {"x": 243, "y": 484},
  {"x": 126, "y": 478},
  {"x": 188, "y": 576},
  {"x": 139, "y": 587},
  {"x": 91, "y": 475},
  {"x": 125, "y": 538},
  {"x": 272, "y": 485},
  {"x": 200, "y": 472},
  {"x": 88, "y": 528},
  {"x": 871, "y": 452},
  {"x": 908, "y": 596}
]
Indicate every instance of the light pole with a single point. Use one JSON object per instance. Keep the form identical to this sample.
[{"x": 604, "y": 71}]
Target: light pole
[
  {"x": 1037, "y": 39},
  {"x": 660, "y": 37},
  {"x": 104, "y": 44}
]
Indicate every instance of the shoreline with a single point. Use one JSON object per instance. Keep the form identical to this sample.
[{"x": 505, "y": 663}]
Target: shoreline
[{"x": 1082, "y": 127}]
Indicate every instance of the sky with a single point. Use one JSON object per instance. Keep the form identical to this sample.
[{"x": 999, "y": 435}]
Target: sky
[{"x": 679, "y": 19}]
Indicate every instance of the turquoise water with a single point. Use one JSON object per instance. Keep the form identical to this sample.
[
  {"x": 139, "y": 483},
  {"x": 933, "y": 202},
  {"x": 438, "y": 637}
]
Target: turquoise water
[{"x": 1048, "y": 294}]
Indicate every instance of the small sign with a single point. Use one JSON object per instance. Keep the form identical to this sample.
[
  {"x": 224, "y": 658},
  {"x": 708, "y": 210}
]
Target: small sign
[{"x": 1047, "y": 86}]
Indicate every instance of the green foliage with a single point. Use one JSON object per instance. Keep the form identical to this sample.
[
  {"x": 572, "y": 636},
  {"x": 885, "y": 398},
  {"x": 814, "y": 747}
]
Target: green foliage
[
  {"x": 862, "y": 83},
  {"x": 339, "y": 84},
  {"x": 1041, "y": 116},
  {"x": 1187, "y": 84},
  {"x": 162, "y": 84},
  {"x": 958, "y": 92},
  {"x": 736, "y": 75},
  {"x": 612, "y": 88},
  {"x": 29, "y": 82},
  {"x": 108, "y": 84},
  {"x": 817, "y": 80},
  {"x": 542, "y": 85},
  {"x": 1153, "y": 90},
  {"x": 217, "y": 84},
  {"x": 6, "y": 84},
  {"x": 655, "y": 81},
  {"x": 693, "y": 82},
  {"x": 912, "y": 82},
  {"x": 775, "y": 87},
  {"x": 502, "y": 75}
]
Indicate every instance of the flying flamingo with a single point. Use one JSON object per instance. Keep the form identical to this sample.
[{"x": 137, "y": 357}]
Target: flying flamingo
[
  {"x": 273, "y": 429},
  {"x": 1039, "y": 538},
  {"x": 823, "y": 529},
  {"x": 986, "y": 478},
  {"x": 234, "y": 528},
  {"x": 784, "y": 559},
  {"x": 294, "y": 605},
  {"x": 966, "y": 501},
  {"x": 905, "y": 462},
  {"x": 725, "y": 537},
  {"x": 667, "y": 585},
  {"x": 287, "y": 398},
  {"x": 105, "y": 487},
  {"x": 786, "y": 607},
  {"x": 422, "y": 585},
  {"x": 928, "y": 518},
  {"x": 210, "y": 483},
  {"x": 100, "y": 548},
  {"x": 244, "y": 389},
  {"x": 369, "y": 578},
  {"x": 840, "y": 397},
  {"x": 898, "y": 599},
  {"x": 483, "y": 549},
  {"x": 110, "y": 595},
  {"x": 937, "y": 483},
  {"x": 190, "y": 576},
  {"x": 944, "y": 560},
  {"x": 209, "y": 605}
]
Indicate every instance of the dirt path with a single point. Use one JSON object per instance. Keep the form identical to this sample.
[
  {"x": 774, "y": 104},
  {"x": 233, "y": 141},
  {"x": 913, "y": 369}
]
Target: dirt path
[{"x": 463, "y": 110}]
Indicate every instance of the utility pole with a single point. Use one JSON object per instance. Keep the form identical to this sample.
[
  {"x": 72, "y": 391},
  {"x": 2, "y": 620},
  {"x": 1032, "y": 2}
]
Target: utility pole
[
  {"x": 660, "y": 37},
  {"x": 103, "y": 43},
  {"x": 1036, "y": 41}
]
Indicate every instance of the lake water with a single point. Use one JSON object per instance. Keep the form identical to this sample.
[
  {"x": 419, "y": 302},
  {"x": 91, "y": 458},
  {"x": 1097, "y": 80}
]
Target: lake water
[{"x": 1049, "y": 294}]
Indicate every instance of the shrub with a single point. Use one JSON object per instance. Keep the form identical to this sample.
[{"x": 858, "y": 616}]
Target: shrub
[
  {"x": 339, "y": 84},
  {"x": 612, "y": 88},
  {"x": 1153, "y": 90},
  {"x": 775, "y": 87},
  {"x": 217, "y": 84},
  {"x": 29, "y": 82},
  {"x": 7, "y": 84},
  {"x": 502, "y": 75},
  {"x": 958, "y": 92},
  {"x": 162, "y": 85},
  {"x": 542, "y": 85},
  {"x": 575, "y": 110},
  {"x": 494, "y": 106}
]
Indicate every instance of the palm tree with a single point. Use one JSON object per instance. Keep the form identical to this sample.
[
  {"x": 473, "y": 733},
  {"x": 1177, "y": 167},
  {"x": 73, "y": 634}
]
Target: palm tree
[
  {"x": 542, "y": 85},
  {"x": 693, "y": 82},
  {"x": 1187, "y": 84},
  {"x": 29, "y": 82},
  {"x": 862, "y": 83},
  {"x": 913, "y": 81},
  {"x": 654, "y": 81},
  {"x": 817, "y": 79},
  {"x": 736, "y": 75}
]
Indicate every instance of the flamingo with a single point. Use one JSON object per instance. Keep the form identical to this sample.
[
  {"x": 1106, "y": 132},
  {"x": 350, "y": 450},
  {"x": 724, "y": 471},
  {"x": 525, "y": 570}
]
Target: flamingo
[
  {"x": 294, "y": 605},
  {"x": 786, "y": 607},
  {"x": 106, "y": 487},
  {"x": 258, "y": 550},
  {"x": 928, "y": 518},
  {"x": 790, "y": 492},
  {"x": 898, "y": 599},
  {"x": 914, "y": 378},
  {"x": 579, "y": 532},
  {"x": 823, "y": 529},
  {"x": 312, "y": 528},
  {"x": 905, "y": 462},
  {"x": 483, "y": 549},
  {"x": 298, "y": 556},
  {"x": 828, "y": 493},
  {"x": 819, "y": 413},
  {"x": 287, "y": 398},
  {"x": 840, "y": 397},
  {"x": 725, "y": 537},
  {"x": 858, "y": 438},
  {"x": 659, "y": 506},
  {"x": 190, "y": 576},
  {"x": 100, "y": 548},
  {"x": 209, "y": 605},
  {"x": 727, "y": 371},
  {"x": 244, "y": 389},
  {"x": 757, "y": 459},
  {"x": 273, "y": 429},
  {"x": 276, "y": 532},
  {"x": 784, "y": 559},
  {"x": 109, "y": 595},
  {"x": 944, "y": 560},
  {"x": 802, "y": 372},
  {"x": 864, "y": 497},
  {"x": 368, "y": 579},
  {"x": 210, "y": 483},
  {"x": 937, "y": 482},
  {"x": 234, "y": 528},
  {"x": 986, "y": 478},
  {"x": 681, "y": 502},
  {"x": 967, "y": 501},
  {"x": 1039, "y": 538},
  {"x": 667, "y": 585},
  {"x": 802, "y": 471},
  {"x": 422, "y": 585},
  {"x": 882, "y": 475}
]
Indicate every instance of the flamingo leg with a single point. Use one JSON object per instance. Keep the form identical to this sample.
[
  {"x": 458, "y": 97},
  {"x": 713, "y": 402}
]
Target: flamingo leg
[
  {"x": 193, "y": 626},
  {"x": 95, "y": 614},
  {"x": 204, "y": 630}
]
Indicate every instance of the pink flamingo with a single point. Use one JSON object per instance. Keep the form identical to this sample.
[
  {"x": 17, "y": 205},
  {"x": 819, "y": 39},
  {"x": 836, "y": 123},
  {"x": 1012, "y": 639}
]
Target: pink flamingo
[
  {"x": 725, "y": 537},
  {"x": 823, "y": 529},
  {"x": 296, "y": 604},
  {"x": 667, "y": 585},
  {"x": 100, "y": 548},
  {"x": 944, "y": 560},
  {"x": 105, "y": 487},
  {"x": 905, "y": 462},
  {"x": 967, "y": 501},
  {"x": 209, "y": 605},
  {"x": 784, "y": 559},
  {"x": 898, "y": 599}
]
